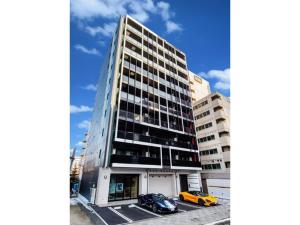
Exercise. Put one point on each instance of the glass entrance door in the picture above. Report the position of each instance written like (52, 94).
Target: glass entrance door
(123, 186)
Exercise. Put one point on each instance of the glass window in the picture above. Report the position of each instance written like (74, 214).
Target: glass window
(123, 186)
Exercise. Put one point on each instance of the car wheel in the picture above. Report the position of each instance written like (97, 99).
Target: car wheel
(181, 197)
(154, 208)
(140, 202)
(201, 202)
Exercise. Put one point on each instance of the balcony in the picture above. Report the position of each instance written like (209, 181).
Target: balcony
(128, 159)
(129, 116)
(150, 104)
(184, 163)
(223, 126)
(189, 130)
(150, 120)
(135, 42)
(133, 53)
(187, 116)
(155, 140)
(225, 140)
(220, 113)
(134, 30)
(130, 98)
(164, 123)
(166, 162)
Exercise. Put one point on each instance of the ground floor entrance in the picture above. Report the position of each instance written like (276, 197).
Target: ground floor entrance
(183, 182)
(123, 187)
(161, 183)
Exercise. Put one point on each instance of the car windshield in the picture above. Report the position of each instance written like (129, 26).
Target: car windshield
(159, 197)
(198, 193)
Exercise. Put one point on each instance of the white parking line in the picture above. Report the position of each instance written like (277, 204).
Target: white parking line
(147, 211)
(181, 203)
(92, 210)
(119, 214)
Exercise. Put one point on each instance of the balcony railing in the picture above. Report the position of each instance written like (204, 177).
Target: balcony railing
(185, 163)
(129, 115)
(128, 159)
(150, 120)
(166, 162)
(189, 130)
(155, 140)
(164, 123)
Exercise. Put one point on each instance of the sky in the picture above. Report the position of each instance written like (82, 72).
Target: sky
(200, 28)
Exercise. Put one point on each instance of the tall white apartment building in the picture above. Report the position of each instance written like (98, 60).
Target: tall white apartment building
(212, 122)
(199, 87)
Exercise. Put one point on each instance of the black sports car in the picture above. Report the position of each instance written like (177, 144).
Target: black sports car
(158, 203)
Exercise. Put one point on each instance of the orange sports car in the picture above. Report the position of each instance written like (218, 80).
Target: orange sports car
(198, 197)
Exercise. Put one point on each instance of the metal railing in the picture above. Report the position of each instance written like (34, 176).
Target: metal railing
(185, 163)
(155, 140)
(129, 159)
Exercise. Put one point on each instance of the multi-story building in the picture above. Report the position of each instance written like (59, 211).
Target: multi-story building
(142, 138)
(212, 119)
(199, 87)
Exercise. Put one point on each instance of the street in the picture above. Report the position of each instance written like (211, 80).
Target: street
(188, 213)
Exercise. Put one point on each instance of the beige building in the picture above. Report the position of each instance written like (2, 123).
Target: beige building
(199, 87)
(212, 119)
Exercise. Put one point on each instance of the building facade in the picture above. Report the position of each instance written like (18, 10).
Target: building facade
(212, 122)
(142, 136)
(199, 87)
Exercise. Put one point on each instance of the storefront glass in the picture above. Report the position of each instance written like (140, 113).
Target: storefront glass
(123, 186)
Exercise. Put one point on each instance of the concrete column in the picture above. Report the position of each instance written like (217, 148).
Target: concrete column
(103, 186)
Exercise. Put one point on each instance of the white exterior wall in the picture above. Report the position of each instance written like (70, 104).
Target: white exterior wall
(221, 157)
(219, 188)
(199, 87)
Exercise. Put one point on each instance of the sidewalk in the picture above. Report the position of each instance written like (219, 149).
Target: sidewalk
(78, 216)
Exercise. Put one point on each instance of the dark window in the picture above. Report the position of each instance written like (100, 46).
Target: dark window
(123, 186)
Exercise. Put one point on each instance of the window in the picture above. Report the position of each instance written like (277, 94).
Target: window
(204, 126)
(209, 152)
(200, 105)
(123, 186)
(207, 138)
(102, 132)
(211, 166)
(202, 115)
(227, 164)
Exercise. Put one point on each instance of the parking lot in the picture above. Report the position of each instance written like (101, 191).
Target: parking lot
(129, 213)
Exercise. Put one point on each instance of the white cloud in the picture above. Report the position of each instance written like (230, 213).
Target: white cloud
(79, 144)
(82, 108)
(90, 87)
(88, 9)
(85, 124)
(92, 51)
(222, 77)
(112, 9)
(138, 11)
(172, 27)
(107, 30)
(164, 9)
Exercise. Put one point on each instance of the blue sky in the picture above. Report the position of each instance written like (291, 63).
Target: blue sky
(200, 28)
